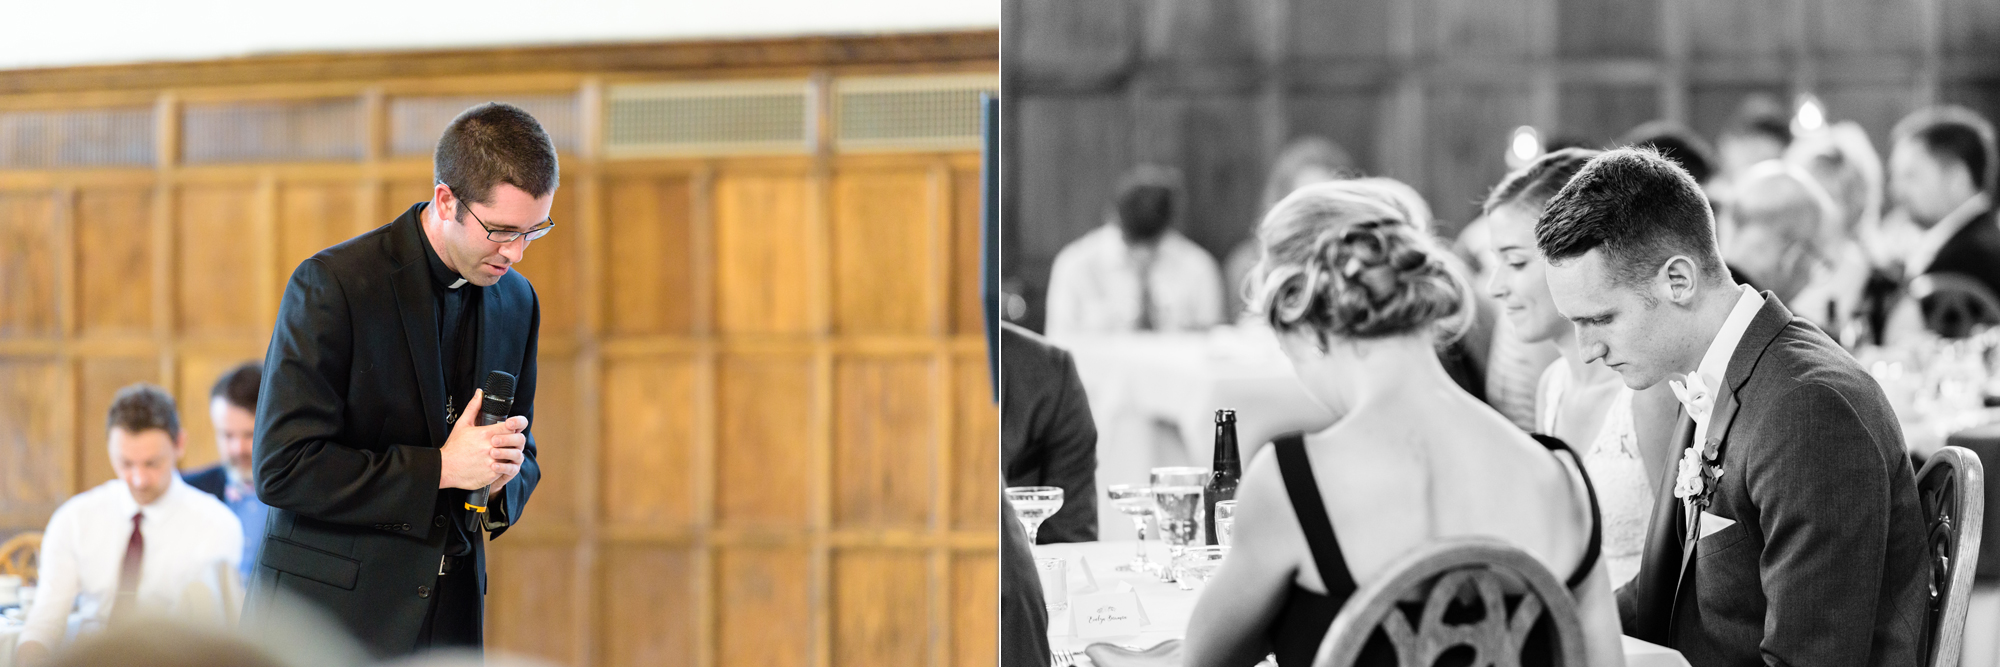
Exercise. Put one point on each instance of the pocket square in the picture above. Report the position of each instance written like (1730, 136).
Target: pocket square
(1711, 523)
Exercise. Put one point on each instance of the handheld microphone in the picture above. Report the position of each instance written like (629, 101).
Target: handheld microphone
(494, 404)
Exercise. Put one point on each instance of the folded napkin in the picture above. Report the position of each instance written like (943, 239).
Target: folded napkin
(1163, 654)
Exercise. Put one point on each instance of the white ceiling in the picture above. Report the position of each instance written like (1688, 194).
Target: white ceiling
(57, 33)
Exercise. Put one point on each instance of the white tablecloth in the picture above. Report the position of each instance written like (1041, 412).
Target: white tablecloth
(1154, 396)
(1168, 608)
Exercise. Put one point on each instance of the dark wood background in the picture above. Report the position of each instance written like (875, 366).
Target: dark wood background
(1425, 91)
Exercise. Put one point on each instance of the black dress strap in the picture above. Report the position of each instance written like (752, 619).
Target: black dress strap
(1313, 520)
(1596, 548)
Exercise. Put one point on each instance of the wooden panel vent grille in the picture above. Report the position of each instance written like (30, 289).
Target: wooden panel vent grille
(707, 118)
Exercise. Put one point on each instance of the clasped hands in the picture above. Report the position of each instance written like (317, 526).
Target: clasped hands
(482, 456)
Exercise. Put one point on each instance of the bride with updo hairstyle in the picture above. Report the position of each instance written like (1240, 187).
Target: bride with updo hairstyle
(1360, 300)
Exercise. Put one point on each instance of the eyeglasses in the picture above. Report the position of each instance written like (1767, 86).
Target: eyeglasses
(504, 236)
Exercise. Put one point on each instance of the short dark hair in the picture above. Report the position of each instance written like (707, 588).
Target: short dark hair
(490, 144)
(1638, 206)
(1678, 143)
(1534, 183)
(1148, 202)
(141, 407)
(239, 385)
(1954, 133)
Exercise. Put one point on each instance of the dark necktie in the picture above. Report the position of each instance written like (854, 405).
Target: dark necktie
(1146, 322)
(128, 575)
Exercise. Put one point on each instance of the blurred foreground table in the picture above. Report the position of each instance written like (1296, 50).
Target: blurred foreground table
(1168, 608)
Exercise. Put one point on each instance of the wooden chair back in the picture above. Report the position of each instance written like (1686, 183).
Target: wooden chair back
(20, 555)
(1515, 592)
(1952, 486)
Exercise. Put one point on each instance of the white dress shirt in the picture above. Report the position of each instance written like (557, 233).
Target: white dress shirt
(1094, 285)
(1716, 361)
(188, 535)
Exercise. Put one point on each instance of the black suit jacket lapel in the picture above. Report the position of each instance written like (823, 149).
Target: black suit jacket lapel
(501, 339)
(1657, 582)
(418, 308)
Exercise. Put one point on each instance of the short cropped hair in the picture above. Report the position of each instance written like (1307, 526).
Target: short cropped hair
(141, 407)
(1148, 202)
(1638, 207)
(1678, 143)
(490, 144)
(239, 385)
(1536, 182)
(1954, 133)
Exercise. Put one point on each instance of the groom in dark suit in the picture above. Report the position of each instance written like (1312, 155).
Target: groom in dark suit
(366, 444)
(1789, 531)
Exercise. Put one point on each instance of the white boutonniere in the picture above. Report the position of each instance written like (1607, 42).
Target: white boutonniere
(1699, 472)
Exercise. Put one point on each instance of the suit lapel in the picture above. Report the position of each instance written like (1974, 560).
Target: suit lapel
(419, 311)
(500, 343)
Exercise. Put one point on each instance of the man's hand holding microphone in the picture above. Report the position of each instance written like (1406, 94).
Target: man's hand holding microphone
(482, 457)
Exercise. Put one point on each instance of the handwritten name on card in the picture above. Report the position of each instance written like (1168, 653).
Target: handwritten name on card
(1110, 614)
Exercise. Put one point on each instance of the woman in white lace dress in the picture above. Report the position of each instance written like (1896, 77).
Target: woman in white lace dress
(1586, 405)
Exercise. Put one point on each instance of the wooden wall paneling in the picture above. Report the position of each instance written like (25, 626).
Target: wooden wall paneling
(558, 429)
(1968, 27)
(1071, 152)
(1469, 126)
(1205, 38)
(100, 378)
(975, 472)
(647, 478)
(1847, 27)
(401, 194)
(1739, 30)
(114, 262)
(1221, 158)
(966, 304)
(1478, 30)
(1711, 106)
(1358, 30)
(29, 239)
(36, 456)
(530, 609)
(550, 264)
(766, 406)
(1876, 106)
(313, 217)
(1600, 113)
(1348, 116)
(652, 254)
(1069, 44)
(884, 441)
(648, 594)
(883, 233)
(764, 606)
(763, 263)
(975, 603)
(1608, 28)
(218, 273)
(881, 607)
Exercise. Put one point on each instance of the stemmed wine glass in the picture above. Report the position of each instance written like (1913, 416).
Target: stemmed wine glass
(1035, 504)
(1136, 501)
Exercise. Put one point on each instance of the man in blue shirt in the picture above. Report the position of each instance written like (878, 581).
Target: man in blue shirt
(232, 408)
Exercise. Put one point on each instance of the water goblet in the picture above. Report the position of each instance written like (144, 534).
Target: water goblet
(1135, 501)
(1034, 504)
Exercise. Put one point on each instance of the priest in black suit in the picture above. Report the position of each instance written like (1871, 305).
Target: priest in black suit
(366, 444)
(1789, 531)
(1942, 174)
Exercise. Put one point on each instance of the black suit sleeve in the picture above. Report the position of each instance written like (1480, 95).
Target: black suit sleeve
(514, 497)
(301, 465)
(1068, 443)
(1821, 487)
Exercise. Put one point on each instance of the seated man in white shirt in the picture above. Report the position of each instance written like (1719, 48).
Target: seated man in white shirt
(133, 544)
(1135, 273)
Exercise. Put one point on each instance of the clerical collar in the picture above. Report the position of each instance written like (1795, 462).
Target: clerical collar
(443, 275)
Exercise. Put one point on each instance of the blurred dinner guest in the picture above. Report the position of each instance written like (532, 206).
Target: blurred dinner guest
(132, 545)
(367, 448)
(232, 409)
(1306, 160)
(1136, 273)
(1844, 163)
(1360, 299)
(1781, 229)
(1760, 130)
(1789, 533)
(1047, 437)
(1024, 616)
(1941, 174)
(1583, 403)
(1679, 144)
